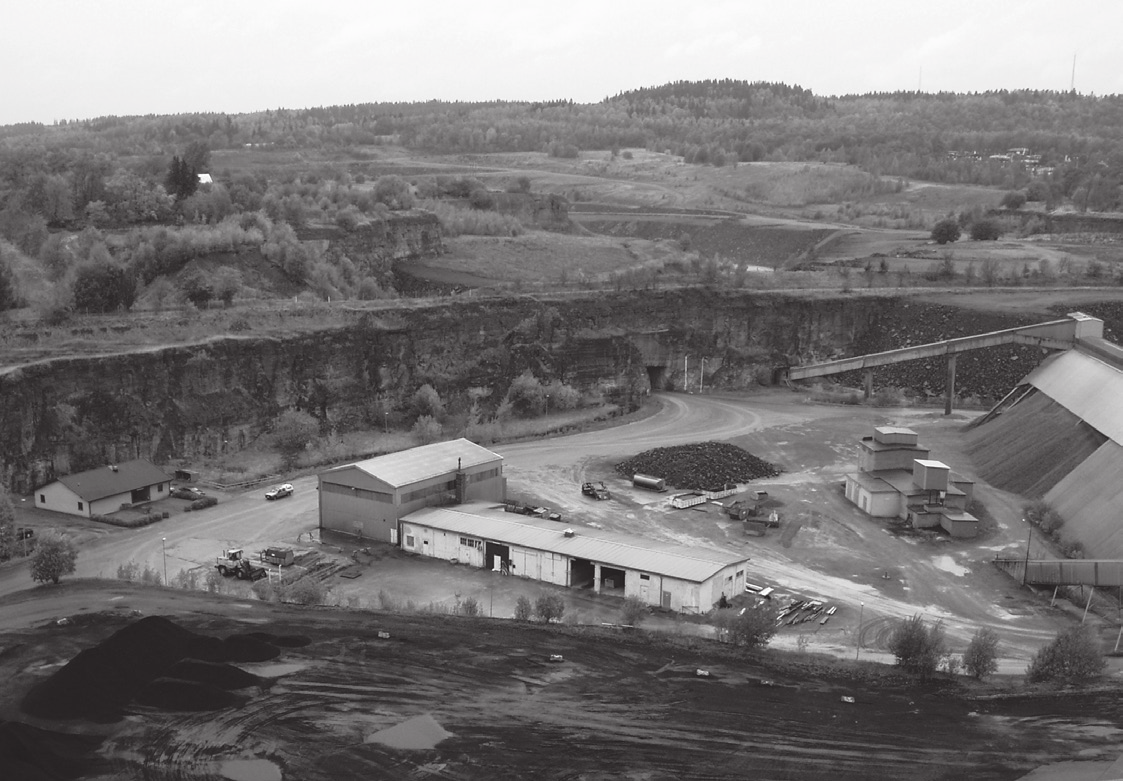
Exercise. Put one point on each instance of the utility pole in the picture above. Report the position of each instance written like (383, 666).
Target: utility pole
(1025, 565)
(1072, 84)
(858, 640)
(702, 375)
(164, 550)
(685, 373)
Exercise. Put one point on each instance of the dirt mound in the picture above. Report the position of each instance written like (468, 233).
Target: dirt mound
(98, 682)
(703, 466)
(31, 754)
(225, 676)
(176, 694)
(1030, 447)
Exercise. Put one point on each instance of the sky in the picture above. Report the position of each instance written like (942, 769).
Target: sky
(76, 59)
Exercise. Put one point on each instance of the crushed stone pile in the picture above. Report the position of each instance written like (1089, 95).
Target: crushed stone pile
(98, 682)
(702, 466)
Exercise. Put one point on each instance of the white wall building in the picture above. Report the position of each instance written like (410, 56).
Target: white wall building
(661, 574)
(105, 490)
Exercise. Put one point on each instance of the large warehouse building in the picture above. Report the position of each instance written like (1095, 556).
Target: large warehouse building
(673, 577)
(369, 498)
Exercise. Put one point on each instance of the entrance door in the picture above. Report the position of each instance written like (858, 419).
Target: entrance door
(667, 600)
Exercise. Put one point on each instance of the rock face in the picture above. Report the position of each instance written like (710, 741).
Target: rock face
(376, 246)
(69, 414)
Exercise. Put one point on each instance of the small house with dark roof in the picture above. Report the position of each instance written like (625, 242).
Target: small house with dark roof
(369, 498)
(105, 490)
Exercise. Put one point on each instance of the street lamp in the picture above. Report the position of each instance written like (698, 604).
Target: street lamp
(164, 550)
(547, 403)
(858, 642)
(702, 375)
(385, 422)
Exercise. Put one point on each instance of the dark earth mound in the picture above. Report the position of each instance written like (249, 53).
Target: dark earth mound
(224, 676)
(176, 694)
(703, 466)
(31, 754)
(98, 682)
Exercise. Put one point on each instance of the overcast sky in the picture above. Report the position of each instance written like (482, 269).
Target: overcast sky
(73, 59)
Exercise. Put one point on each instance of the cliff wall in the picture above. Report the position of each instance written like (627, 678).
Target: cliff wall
(69, 414)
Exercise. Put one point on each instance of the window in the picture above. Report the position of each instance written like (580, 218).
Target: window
(468, 542)
(42, 498)
(645, 577)
(80, 507)
(409, 541)
(160, 488)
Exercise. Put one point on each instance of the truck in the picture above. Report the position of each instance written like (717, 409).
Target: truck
(279, 557)
(595, 490)
(649, 482)
(233, 562)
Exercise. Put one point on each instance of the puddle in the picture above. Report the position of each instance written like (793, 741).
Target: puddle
(249, 770)
(420, 732)
(274, 670)
(948, 564)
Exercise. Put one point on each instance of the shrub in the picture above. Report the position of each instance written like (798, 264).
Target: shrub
(54, 557)
(945, 231)
(549, 607)
(523, 609)
(202, 503)
(128, 571)
(470, 607)
(1073, 656)
(426, 401)
(527, 396)
(306, 592)
(1015, 199)
(291, 434)
(985, 230)
(751, 629)
(917, 646)
(426, 430)
(634, 611)
(263, 589)
(981, 657)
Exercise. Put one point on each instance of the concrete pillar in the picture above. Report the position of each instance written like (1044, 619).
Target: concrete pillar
(868, 383)
(596, 577)
(950, 389)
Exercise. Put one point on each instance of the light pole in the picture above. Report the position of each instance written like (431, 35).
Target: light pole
(164, 550)
(858, 642)
(385, 422)
(702, 375)
(547, 404)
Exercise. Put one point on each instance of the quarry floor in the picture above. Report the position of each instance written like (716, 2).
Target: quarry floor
(621, 705)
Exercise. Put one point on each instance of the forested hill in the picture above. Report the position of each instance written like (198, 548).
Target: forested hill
(1074, 139)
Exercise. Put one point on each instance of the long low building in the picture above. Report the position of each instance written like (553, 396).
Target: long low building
(105, 490)
(664, 575)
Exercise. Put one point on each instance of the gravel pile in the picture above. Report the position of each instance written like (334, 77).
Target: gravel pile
(703, 466)
(99, 682)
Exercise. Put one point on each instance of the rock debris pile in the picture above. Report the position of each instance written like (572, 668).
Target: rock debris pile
(702, 466)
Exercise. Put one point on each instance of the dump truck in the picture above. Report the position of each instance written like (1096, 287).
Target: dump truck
(234, 562)
(595, 490)
(649, 482)
(278, 557)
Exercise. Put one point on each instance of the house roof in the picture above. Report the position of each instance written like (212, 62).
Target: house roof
(421, 463)
(607, 548)
(111, 480)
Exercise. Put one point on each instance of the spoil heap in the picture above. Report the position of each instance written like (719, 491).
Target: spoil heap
(702, 466)
(145, 661)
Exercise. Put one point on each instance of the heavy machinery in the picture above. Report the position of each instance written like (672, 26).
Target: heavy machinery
(233, 562)
(595, 490)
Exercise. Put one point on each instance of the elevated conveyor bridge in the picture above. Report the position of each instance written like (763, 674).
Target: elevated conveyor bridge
(1062, 334)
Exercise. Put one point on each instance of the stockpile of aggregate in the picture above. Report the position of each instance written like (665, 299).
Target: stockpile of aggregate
(1031, 447)
(29, 753)
(702, 466)
(98, 682)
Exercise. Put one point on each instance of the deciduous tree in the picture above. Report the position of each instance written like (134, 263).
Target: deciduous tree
(981, 657)
(917, 646)
(291, 434)
(1073, 656)
(54, 557)
(945, 231)
(751, 629)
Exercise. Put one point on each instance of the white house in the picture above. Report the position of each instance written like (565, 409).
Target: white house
(105, 490)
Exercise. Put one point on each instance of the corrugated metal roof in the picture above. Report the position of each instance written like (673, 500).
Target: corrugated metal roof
(873, 484)
(610, 548)
(421, 463)
(1085, 386)
(105, 481)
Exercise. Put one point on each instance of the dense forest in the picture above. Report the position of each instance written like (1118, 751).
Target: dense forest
(110, 173)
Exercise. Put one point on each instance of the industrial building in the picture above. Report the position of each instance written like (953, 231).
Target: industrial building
(105, 490)
(673, 577)
(896, 479)
(370, 498)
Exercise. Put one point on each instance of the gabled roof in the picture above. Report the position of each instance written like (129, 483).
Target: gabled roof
(104, 481)
(421, 463)
(607, 548)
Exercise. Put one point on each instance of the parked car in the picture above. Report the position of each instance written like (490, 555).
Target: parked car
(279, 491)
(186, 492)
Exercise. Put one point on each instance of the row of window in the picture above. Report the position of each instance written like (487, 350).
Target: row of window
(422, 493)
(358, 493)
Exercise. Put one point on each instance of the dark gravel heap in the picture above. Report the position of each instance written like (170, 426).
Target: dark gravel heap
(703, 466)
(99, 682)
